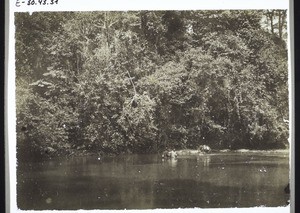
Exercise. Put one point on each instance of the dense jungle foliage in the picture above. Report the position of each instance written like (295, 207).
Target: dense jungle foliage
(138, 82)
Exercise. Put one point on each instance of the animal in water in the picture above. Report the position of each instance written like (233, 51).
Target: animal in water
(169, 154)
(204, 148)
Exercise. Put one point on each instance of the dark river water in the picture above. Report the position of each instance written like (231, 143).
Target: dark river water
(147, 182)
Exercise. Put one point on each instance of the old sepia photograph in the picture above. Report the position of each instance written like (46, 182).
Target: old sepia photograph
(152, 109)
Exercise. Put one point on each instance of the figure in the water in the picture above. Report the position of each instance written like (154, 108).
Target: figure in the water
(204, 148)
(169, 154)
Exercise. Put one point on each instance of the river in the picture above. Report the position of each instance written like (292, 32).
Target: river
(217, 180)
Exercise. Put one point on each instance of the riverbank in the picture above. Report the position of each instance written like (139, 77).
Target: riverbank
(66, 153)
(195, 151)
(181, 152)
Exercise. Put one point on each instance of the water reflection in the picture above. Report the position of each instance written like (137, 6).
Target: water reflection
(170, 161)
(205, 159)
(147, 182)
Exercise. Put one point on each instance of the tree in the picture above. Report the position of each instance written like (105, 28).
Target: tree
(276, 22)
(142, 81)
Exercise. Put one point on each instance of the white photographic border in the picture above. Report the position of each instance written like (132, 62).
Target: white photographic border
(13, 6)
